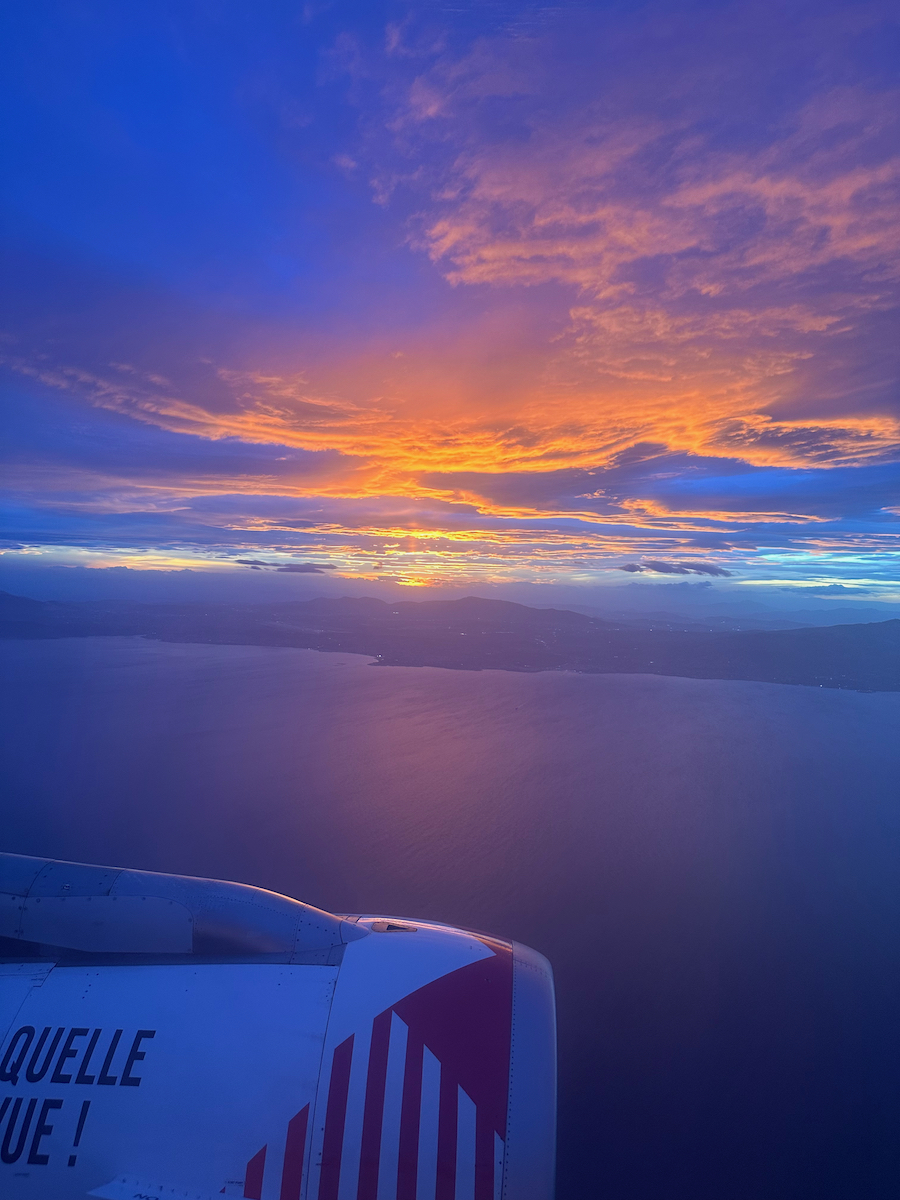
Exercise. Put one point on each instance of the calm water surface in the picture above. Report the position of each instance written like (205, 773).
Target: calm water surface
(712, 867)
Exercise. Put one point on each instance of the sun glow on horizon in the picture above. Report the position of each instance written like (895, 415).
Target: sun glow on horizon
(535, 310)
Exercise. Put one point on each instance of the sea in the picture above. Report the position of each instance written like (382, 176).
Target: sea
(712, 867)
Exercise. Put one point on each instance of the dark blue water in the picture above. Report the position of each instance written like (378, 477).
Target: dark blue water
(712, 867)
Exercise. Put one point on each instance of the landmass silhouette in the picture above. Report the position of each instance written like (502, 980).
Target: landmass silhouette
(474, 634)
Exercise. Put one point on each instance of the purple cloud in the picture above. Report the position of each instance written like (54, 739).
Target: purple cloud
(304, 568)
(674, 568)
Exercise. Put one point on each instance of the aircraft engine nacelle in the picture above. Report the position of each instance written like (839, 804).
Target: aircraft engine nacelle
(163, 1036)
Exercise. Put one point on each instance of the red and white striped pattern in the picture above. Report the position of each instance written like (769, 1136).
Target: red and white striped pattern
(414, 1105)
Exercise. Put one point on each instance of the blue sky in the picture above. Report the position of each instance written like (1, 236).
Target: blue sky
(480, 296)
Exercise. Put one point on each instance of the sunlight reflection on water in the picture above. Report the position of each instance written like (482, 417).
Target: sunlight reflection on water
(711, 867)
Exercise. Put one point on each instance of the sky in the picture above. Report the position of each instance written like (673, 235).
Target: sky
(479, 296)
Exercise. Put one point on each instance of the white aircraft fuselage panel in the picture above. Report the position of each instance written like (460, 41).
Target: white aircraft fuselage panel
(419, 1065)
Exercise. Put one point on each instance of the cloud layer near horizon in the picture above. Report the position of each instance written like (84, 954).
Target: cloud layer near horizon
(520, 297)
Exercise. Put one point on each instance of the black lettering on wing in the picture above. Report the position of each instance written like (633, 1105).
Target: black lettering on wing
(8, 1152)
(34, 1073)
(67, 1052)
(135, 1054)
(104, 1079)
(11, 1064)
(82, 1076)
(42, 1130)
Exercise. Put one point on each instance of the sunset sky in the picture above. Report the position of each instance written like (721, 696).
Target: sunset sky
(466, 295)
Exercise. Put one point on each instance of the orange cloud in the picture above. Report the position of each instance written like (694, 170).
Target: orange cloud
(707, 358)
(636, 278)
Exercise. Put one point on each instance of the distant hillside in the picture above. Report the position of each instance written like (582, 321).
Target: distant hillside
(475, 634)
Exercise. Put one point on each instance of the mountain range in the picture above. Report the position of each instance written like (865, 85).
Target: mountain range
(477, 634)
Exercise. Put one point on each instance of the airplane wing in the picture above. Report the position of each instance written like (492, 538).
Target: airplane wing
(230, 1041)
(127, 1188)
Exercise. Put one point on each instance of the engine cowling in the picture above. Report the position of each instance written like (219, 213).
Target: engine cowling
(243, 1043)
